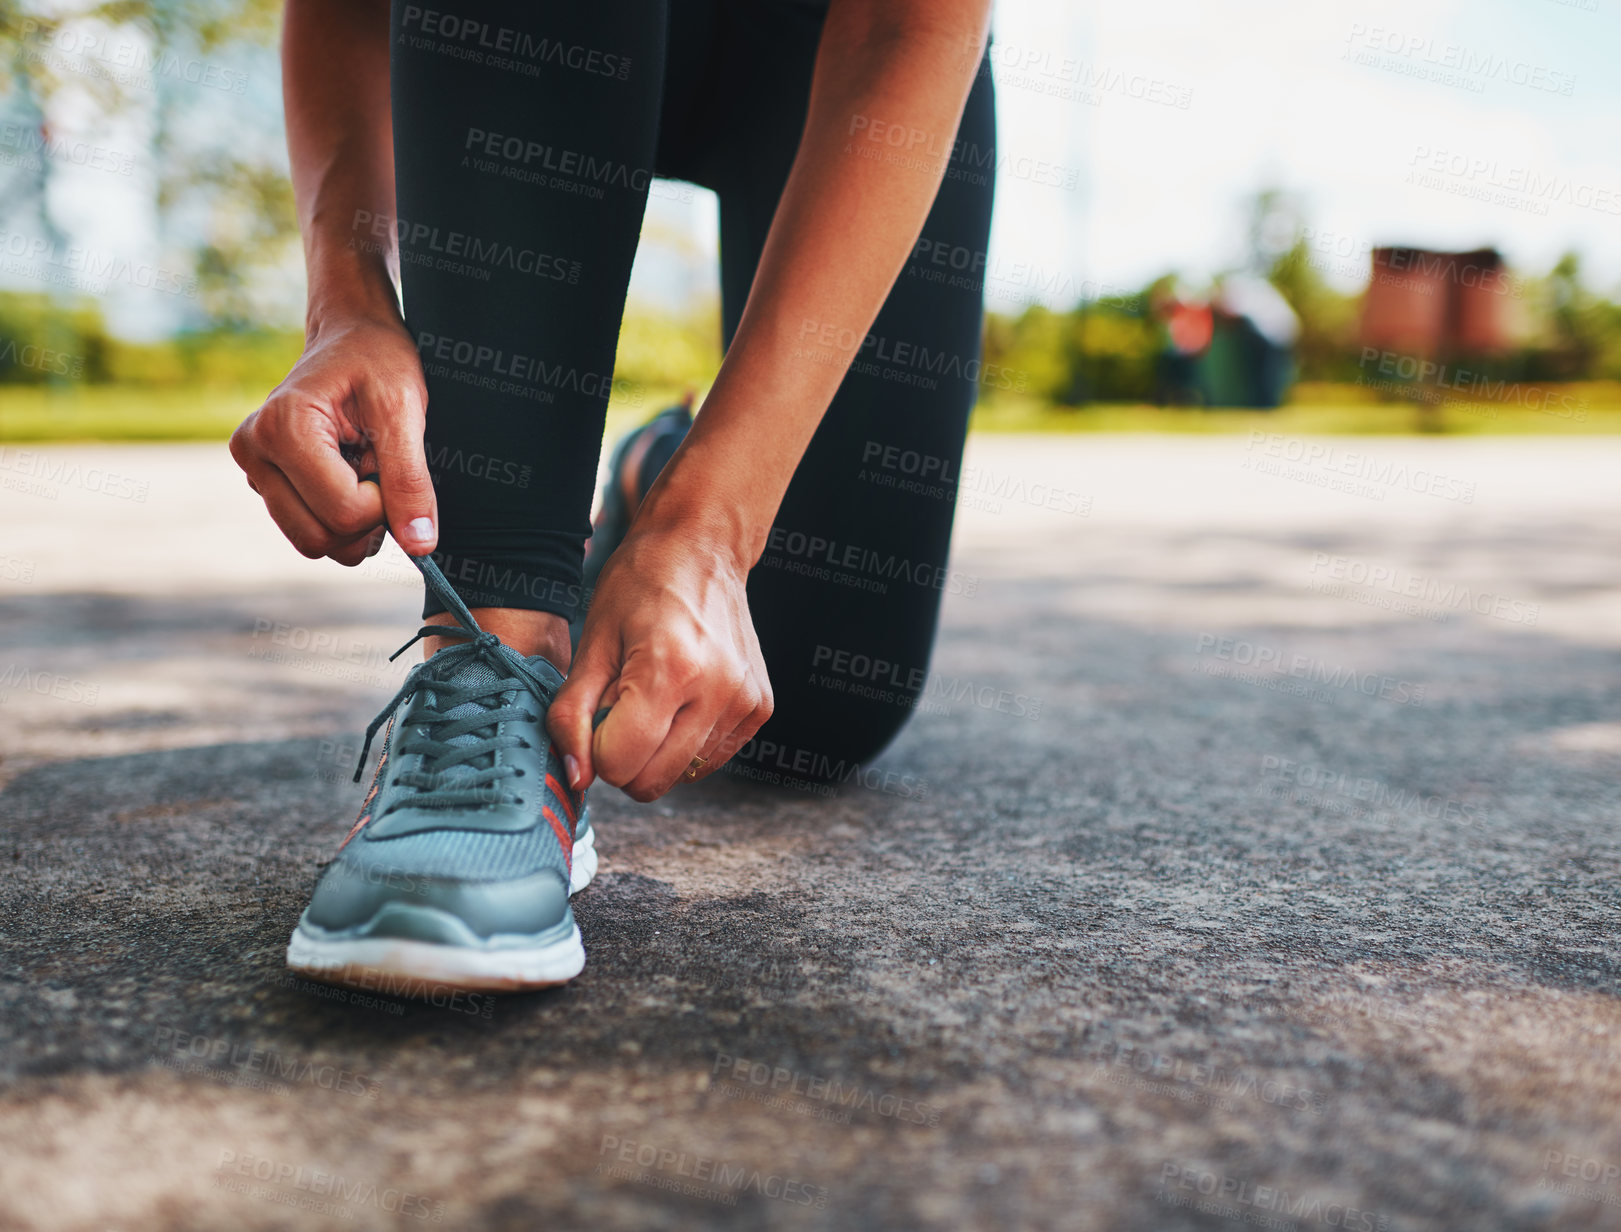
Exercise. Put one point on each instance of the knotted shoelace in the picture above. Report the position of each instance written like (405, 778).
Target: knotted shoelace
(466, 744)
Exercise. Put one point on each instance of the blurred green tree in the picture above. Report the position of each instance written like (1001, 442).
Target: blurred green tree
(181, 69)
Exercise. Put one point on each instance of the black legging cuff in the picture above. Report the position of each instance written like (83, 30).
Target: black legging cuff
(540, 573)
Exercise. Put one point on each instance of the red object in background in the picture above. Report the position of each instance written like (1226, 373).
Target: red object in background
(1437, 304)
(1190, 327)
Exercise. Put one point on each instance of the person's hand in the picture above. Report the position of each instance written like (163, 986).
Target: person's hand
(670, 646)
(354, 404)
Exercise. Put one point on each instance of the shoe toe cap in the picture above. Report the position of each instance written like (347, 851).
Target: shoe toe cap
(376, 899)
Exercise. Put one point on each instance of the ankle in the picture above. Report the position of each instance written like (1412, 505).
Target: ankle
(528, 632)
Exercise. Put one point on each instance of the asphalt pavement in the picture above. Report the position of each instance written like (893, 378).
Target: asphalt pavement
(1254, 860)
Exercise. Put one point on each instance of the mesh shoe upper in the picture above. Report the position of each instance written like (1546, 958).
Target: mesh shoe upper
(468, 794)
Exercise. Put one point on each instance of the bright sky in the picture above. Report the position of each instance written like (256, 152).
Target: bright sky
(1275, 96)
(1443, 123)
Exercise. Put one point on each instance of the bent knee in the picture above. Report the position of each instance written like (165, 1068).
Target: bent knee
(829, 744)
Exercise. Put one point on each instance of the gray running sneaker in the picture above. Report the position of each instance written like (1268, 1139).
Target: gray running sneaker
(457, 873)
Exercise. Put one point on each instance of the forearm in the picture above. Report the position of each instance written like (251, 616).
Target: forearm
(340, 142)
(841, 235)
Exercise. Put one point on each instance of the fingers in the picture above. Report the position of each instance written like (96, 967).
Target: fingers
(635, 730)
(303, 529)
(569, 717)
(413, 513)
(295, 452)
(302, 444)
(363, 548)
(649, 695)
(287, 509)
(713, 722)
(670, 659)
(735, 728)
(669, 761)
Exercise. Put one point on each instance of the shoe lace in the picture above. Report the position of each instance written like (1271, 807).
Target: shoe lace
(466, 744)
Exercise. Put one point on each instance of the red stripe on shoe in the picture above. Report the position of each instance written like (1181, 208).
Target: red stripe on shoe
(376, 785)
(563, 797)
(354, 830)
(377, 775)
(564, 834)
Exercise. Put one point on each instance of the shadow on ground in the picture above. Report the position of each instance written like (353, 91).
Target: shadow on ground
(1109, 959)
(1268, 905)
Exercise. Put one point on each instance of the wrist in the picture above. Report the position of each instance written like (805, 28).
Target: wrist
(348, 285)
(703, 506)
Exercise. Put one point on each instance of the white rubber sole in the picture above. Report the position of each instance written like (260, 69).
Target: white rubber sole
(583, 862)
(398, 967)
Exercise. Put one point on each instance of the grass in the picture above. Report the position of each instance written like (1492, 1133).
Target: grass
(122, 413)
(1332, 410)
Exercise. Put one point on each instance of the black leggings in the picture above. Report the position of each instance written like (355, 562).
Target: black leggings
(525, 137)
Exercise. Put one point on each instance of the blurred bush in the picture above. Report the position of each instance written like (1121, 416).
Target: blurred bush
(1105, 351)
(214, 164)
(48, 342)
(67, 344)
(659, 349)
(1097, 352)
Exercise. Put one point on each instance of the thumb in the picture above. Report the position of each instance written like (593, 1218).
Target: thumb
(399, 418)
(571, 718)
